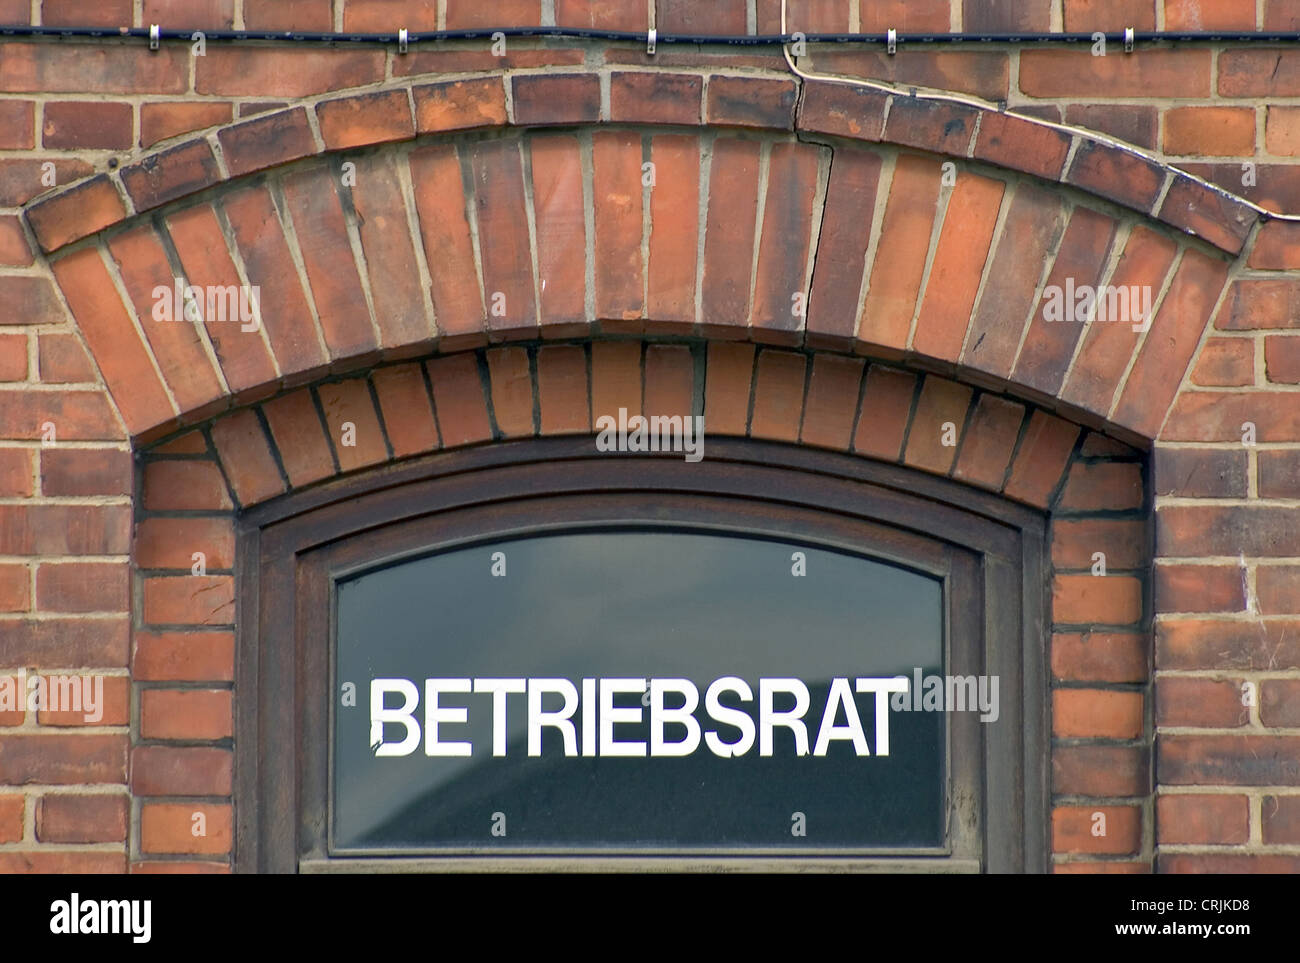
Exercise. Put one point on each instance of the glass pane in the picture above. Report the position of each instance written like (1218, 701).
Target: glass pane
(637, 605)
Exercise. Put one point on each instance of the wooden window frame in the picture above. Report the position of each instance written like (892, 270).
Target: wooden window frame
(989, 552)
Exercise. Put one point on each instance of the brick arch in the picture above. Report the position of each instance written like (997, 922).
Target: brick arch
(755, 235)
(195, 486)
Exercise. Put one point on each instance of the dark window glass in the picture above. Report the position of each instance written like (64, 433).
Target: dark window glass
(625, 606)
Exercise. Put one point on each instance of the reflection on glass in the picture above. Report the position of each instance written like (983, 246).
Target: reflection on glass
(637, 604)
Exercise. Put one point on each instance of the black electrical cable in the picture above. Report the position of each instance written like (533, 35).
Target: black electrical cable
(572, 33)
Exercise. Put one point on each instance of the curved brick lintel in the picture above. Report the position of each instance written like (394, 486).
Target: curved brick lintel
(857, 249)
(407, 110)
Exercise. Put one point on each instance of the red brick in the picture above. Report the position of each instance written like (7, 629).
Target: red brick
(940, 414)
(459, 104)
(1077, 829)
(177, 346)
(831, 406)
(1083, 16)
(194, 714)
(1227, 644)
(170, 174)
(184, 656)
(1210, 131)
(729, 233)
(560, 218)
(184, 485)
(1278, 705)
(1033, 224)
(778, 395)
(936, 126)
(318, 222)
(112, 337)
(63, 758)
(174, 867)
(885, 412)
(1278, 588)
(113, 706)
(1281, 819)
(189, 600)
(15, 472)
(839, 264)
(365, 119)
(784, 243)
(1075, 540)
(601, 15)
(1228, 760)
(1096, 714)
(503, 238)
(1199, 588)
(615, 380)
(467, 14)
(842, 110)
(76, 213)
(66, 818)
(76, 415)
(180, 771)
(15, 588)
(1207, 703)
(296, 428)
(984, 73)
(200, 14)
(70, 67)
(562, 389)
(11, 818)
(1225, 362)
(1157, 73)
(1041, 459)
(1282, 359)
(14, 249)
(1277, 247)
(376, 16)
(60, 642)
(17, 124)
(727, 388)
(62, 861)
(82, 587)
(1208, 15)
(246, 71)
(674, 227)
(200, 243)
(246, 456)
(1107, 348)
(617, 194)
(901, 253)
(1092, 770)
(408, 416)
(94, 125)
(348, 403)
(298, 15)
(722, 17)
(388, 250)
(25, 178)
(170, 543)
(1096, 599)
(1219, 415)
(458, 400)
(1010, 141)
(1099, 657)
(1103, 486)
(556, 98)
(988, 443)
(809, 16)
(1136, 124)
(172, 828)
(750, 102)
(261, 241)
(267, 140)
(512, 390)
(13, 357)
(655, 98)
(1218, 819)
(30, 300)
(1049, 345)
(440, 200)
(669, 380)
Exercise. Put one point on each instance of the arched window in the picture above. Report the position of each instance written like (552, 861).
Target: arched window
(534, 651)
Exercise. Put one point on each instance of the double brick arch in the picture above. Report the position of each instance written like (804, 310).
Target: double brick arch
(482, 259)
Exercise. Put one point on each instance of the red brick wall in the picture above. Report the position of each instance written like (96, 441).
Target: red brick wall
(522, 176)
